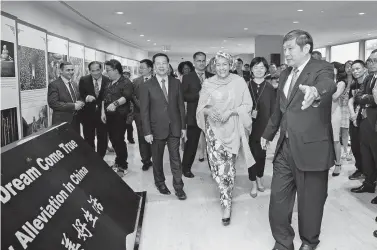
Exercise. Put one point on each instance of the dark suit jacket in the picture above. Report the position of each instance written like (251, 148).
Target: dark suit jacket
(191, 87)
(60, 101)
(310, 130)
(86, 87)
(160, 117)
(265, 106)
(368, 101)
(136, 96)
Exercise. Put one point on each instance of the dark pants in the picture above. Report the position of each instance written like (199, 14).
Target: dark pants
(144, 147)
(191, 146)
(257, 170)
(368, 148)
(311, 188)
(355, 146)
(75, 123)
(116, 126)
(92, 127)
(130, 132)
(158, 148)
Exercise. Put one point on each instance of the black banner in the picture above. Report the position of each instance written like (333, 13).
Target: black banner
(57, 193)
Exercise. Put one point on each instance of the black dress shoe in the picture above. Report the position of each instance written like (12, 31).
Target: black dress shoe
(226, 221)
(374, 201)
(375, 233)
(357, 175)
(132, 141)
(164, 190)
(181, 194)
(188, 174)
(201, 159)
(307, 247)
(145, 167)
(364, 189)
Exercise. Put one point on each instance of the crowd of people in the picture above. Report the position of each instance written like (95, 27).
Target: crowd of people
(232, 112)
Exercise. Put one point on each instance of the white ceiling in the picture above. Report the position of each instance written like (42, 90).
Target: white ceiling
(207, 26)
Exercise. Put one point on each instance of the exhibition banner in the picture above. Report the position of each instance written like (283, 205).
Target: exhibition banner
(57, 193)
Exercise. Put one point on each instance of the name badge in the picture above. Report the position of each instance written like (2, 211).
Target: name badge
(254, 114)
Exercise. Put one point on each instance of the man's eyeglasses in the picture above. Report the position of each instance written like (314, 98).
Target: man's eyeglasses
(371, 60)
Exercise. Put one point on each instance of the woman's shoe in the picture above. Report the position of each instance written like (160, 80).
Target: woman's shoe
(337, 170)
(260, 186)
(226, 221)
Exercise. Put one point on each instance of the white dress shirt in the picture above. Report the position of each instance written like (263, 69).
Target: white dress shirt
(289, 79)
(66, 82)
(159, 78)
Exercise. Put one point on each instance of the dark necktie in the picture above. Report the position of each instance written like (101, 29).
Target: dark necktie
(201, 77)
(73, 94)
(146, 79)
(96, 87)
(373, 82)
(164, 89)
(293, 82)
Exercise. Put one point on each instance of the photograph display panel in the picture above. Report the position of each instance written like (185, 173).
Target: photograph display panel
(57, 53)
(76, 57)
(9, 126)
(90, 55)
(33, 79)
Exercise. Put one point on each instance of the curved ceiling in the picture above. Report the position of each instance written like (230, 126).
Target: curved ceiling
(210, 26)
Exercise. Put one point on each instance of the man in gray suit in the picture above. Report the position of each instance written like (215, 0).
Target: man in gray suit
(305, 150)
(163, 117)
(64, 99)
(146, 68)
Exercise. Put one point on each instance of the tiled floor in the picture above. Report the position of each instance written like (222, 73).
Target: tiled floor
(195, 224)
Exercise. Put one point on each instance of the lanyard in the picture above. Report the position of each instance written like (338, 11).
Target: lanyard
(252, 92)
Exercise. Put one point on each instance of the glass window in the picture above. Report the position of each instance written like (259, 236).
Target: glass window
(370, 45)
(323, 52)
(344, 52)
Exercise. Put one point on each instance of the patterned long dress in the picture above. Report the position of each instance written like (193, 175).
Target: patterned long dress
(222, 165)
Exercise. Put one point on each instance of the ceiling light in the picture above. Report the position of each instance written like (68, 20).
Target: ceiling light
(141, 35)
(129, 23)
(155, 44)
(222, 47)
(369, 34)
(224, 41)
(300, 10)
(239, 44)
(245, 28)
(361, 13)
(330, 42)
(148, 40)
(322, 11)
(295, 22)
(119, 13)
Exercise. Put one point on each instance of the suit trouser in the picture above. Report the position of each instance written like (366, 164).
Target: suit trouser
(144, 147)
(191, 146)
(158, 148)
(311, 188)
(116, 126)
(355, 146)
(75, 123)
(257, 170)
(130, 132)
(368, 148)
(92, 127)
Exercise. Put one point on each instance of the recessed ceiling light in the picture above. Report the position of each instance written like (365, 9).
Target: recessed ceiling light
(148, 40)
(245, 28)
(300, 10)
(129, 23)
(224, 41)
(239, 44)
(222, 47)
(295, 22)
(361, 13)
(322, 11)
(369, 34)
(141, 35)
(155, 44)
(119, 13)
(330, 42)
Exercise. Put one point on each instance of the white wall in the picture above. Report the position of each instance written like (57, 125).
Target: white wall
(37, 14)
(269, 44)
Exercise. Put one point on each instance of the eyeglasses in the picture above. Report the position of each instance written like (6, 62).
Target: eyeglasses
(371, 60)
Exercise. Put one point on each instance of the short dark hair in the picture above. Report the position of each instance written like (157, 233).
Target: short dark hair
(63, 64)
(373, 51)
(341, 71)
(115, 64)
(246, 65)
(273, 64)
(274, 77)
(95, 62)
(147, 62)
(239, 60)
(317, 52)
(160, 54)
(182, 64)
(302, 38)
(360, 62)
(198, 54)
(258, 60)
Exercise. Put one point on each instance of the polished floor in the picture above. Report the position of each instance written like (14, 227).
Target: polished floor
(195, 224)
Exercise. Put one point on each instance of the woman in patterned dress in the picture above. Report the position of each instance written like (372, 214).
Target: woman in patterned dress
(224, 114)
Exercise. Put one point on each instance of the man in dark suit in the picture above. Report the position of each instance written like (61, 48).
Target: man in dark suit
(368, 128)
(305, 150)
(163, 117)
(146, 68)
(64, 99)
(91, 91)
(191, 86)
